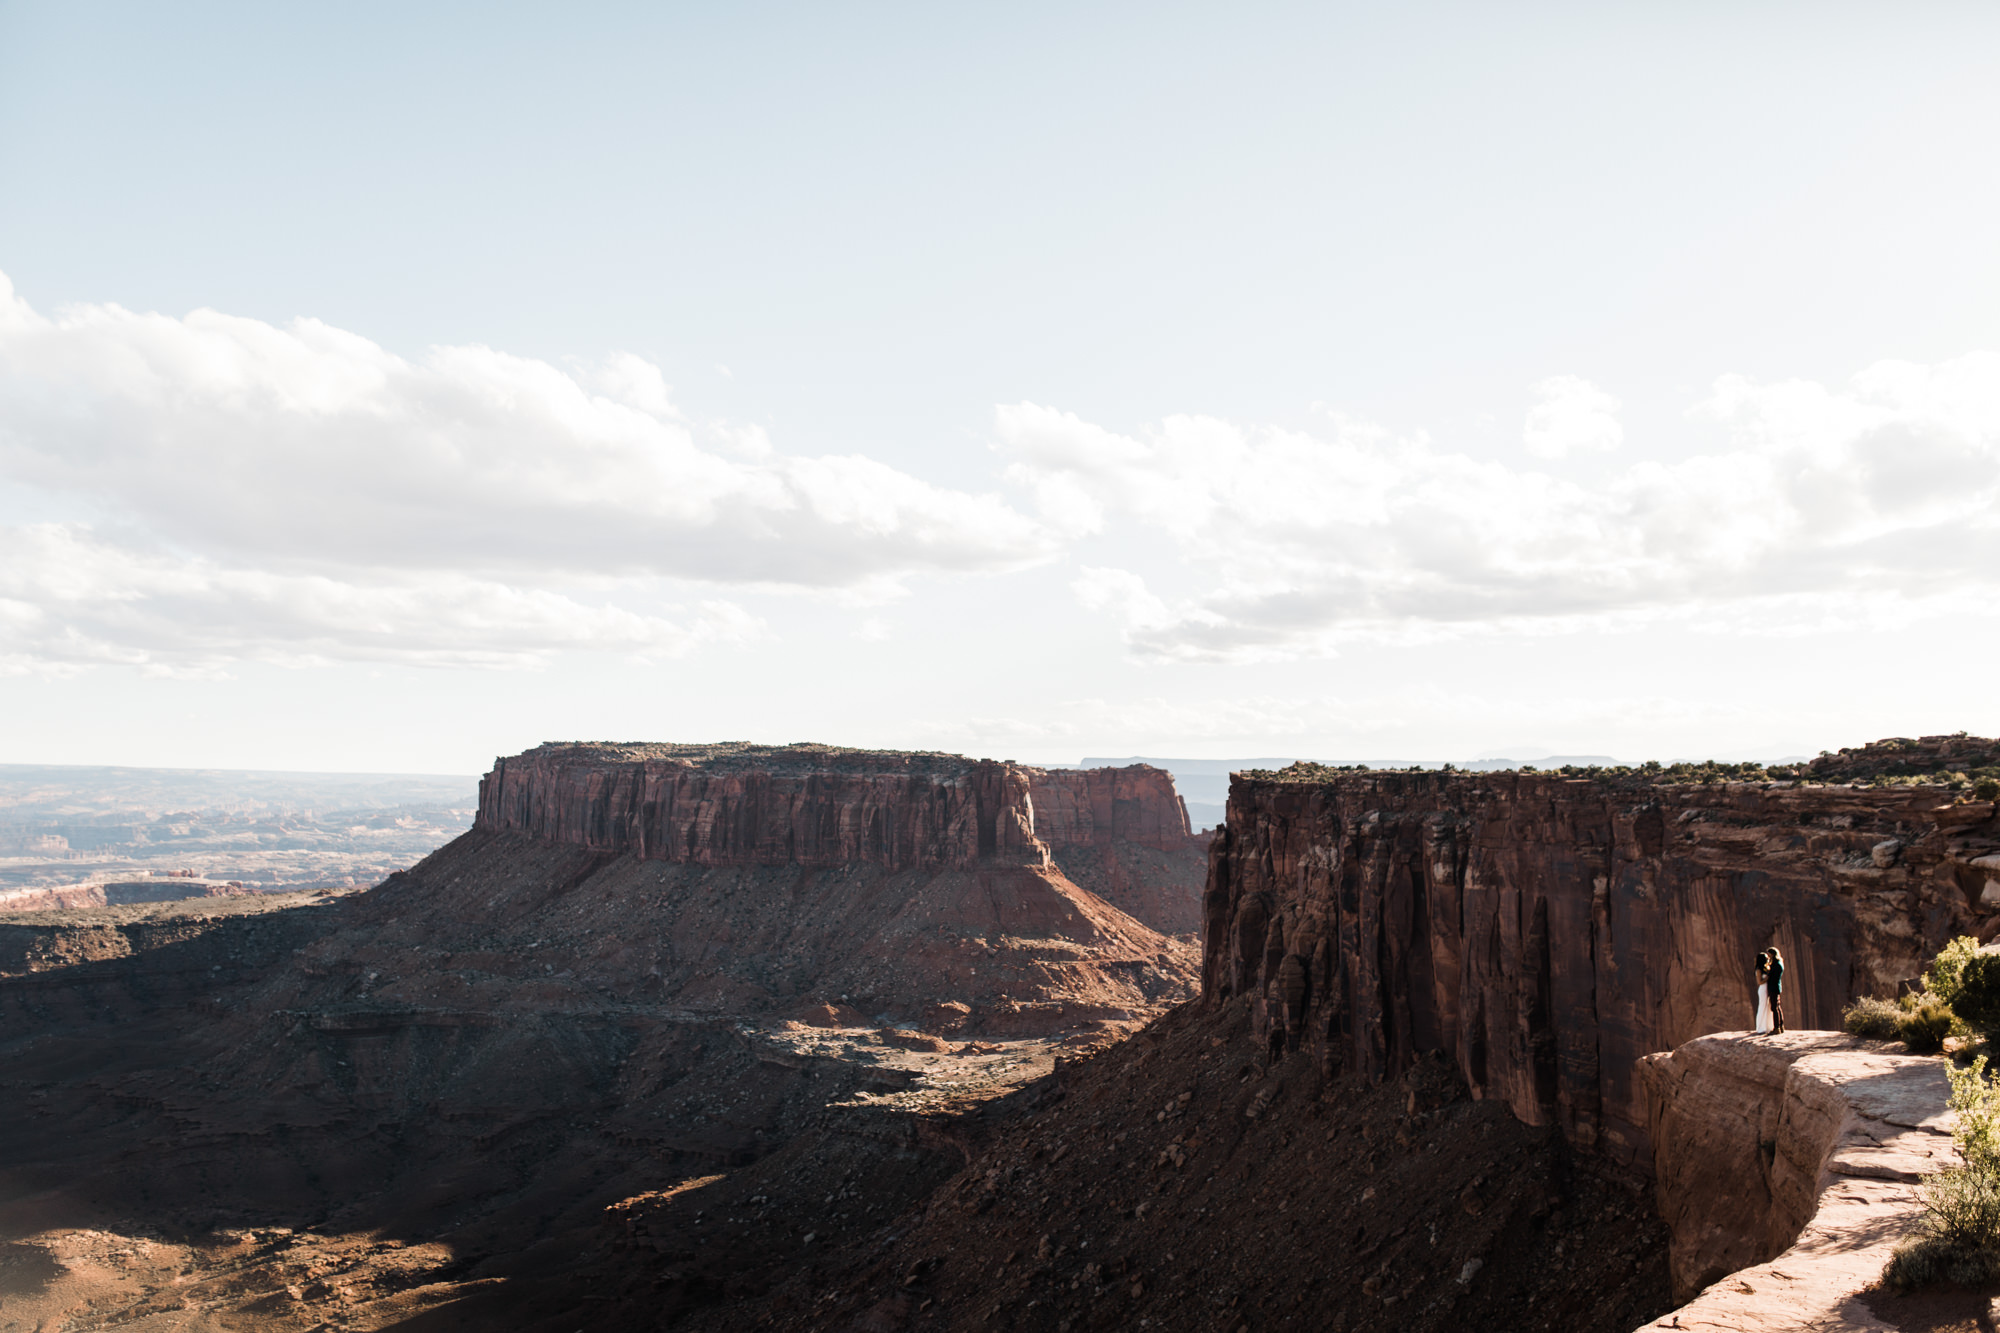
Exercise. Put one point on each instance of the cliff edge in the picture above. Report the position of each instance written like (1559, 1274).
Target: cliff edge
(1547, 932)
(1785, 1172)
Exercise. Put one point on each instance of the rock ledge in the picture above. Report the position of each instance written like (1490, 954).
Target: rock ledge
(1785, 1169)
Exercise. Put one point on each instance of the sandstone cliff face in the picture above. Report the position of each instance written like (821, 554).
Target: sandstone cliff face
(1121, 833)
(1099, 806)
(1547, 932)
(758, 877)
(741, 805)
(1786, 1168)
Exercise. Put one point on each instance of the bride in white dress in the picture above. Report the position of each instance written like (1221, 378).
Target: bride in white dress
(1763, 997)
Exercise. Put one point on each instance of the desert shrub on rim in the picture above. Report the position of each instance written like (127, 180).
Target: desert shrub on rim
(1959, 1239)
(1924, 1023)
(1921, 1022)
(1946, 972)
(1870, 1017)
(1978, 998)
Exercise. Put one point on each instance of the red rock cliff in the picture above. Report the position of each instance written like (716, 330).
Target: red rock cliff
(1547, 932)
(1123, 834)
(746, 805)
(1098, 806)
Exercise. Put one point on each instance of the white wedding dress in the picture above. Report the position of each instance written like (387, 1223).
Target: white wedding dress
(1763, 1008)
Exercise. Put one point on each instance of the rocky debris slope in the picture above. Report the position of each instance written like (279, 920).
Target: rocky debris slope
(1547, 932)
(1178, 1181)
(1785, 1172)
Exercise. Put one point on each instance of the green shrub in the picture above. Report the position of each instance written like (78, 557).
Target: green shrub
(1925, 1024)
(1921, 1022)
(1870, 1017)
(1942, 979)
(1924, 1261)
(1978, 997)
(1987, 789)
(1960, 1239)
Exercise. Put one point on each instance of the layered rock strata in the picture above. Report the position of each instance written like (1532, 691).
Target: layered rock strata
(1786, 1168)
(742, 805)
(1122, 832)
(1547, 932)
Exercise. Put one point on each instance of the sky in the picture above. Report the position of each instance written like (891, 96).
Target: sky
(389, 387)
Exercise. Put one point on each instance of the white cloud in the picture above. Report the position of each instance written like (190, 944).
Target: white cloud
(309, 444)
(69, 600)
(300, 493)
(1571, 416)
(1827, 503)
(1122, 595)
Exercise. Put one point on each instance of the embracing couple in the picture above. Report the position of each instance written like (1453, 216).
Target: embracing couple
(1770, 991)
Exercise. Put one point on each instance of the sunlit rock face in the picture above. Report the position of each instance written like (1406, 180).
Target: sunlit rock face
(1546, 932)
(1790, 1162)
(745, 805)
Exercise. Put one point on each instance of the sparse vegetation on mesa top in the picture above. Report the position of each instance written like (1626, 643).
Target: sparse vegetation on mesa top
(1947, 762)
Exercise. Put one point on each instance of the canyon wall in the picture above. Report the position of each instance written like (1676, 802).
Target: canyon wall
(743, 805)
(1099, 806)
(1121, 833)
(1546, 932)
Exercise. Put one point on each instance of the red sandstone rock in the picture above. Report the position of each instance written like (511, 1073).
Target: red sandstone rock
(744, 805)
(1099, 806)
(1785, 1173)
(1121, 833)
(1547, 932)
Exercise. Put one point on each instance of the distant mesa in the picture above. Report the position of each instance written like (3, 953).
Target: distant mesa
(1034, 898)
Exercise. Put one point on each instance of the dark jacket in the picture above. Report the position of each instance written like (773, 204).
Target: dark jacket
(1774, 980)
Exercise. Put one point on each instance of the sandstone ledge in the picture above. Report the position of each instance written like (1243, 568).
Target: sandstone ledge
(1785, 1169)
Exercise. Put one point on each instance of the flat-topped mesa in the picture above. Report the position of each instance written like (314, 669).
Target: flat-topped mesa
(757, 805)
(1547, 932)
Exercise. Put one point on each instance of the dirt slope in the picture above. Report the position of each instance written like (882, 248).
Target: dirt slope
(1176, 1181)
